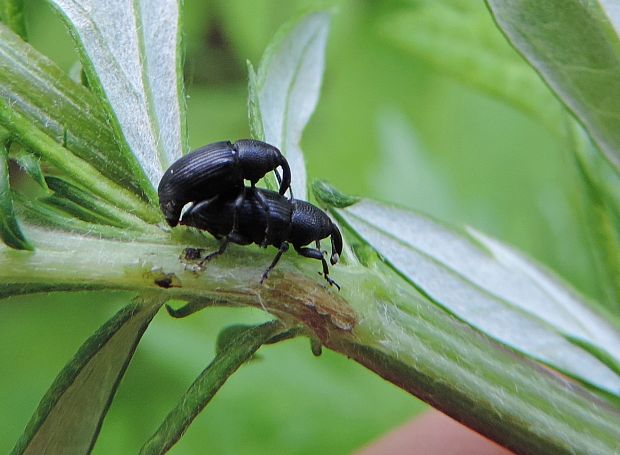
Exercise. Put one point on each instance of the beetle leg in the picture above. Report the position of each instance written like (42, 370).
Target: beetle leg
(318, 247)
(263, 203)
(238, 204)
(279, 179)
(223, 245)
(283, 249)
(316, 254)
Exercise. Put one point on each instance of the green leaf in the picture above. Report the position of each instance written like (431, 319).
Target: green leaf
(104, 212)
(227, 337)
(287, 89)
(72, 166)
(492, 287)
(10, 231)
(70, 414)
(238, 351)
(30, 164)
(331, 196)
(462, 41)
(12, 14)
(40, 92)
(63, 214)
(600, 213)
(254, 115)
(131, 54)
(575, 47)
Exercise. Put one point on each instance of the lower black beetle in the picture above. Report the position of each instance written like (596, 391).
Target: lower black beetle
(290, 221)
(219, 169)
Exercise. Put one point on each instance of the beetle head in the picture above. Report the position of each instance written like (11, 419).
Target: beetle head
(171, 210)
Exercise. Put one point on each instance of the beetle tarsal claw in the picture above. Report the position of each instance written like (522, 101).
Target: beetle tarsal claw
(194, 268)
(191, 254)
(332, 282)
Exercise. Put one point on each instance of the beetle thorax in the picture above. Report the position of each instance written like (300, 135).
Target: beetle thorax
(256, 159)
(308, 223)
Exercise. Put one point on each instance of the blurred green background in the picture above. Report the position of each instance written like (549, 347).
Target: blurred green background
(388, 126)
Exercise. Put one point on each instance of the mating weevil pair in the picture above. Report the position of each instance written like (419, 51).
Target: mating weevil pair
(212, 180)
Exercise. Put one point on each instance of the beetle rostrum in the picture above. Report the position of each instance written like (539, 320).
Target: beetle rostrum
(289, 221)
(219, 169)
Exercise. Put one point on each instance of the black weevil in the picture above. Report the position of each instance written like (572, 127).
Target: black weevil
(290, 221)
(219, 169)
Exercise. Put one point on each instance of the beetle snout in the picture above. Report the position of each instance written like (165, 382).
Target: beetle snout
(171, 212)
(336, 244)
(285, 184)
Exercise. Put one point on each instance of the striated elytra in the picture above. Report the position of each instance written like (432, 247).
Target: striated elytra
(219, 169)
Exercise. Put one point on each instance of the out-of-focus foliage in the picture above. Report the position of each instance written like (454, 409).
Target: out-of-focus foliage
(498, 171)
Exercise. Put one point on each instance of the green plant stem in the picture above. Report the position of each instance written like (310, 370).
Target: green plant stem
(73, 166)
(204, 388)
(375, 320)
(499, 394)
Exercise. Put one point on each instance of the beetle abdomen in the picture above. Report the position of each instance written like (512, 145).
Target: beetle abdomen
(214, 216)
(253, 219)
(199, 175)
(199, 172)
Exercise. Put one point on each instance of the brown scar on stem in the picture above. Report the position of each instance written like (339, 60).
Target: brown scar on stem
(166, 280)
(293, 298)
(325, 312)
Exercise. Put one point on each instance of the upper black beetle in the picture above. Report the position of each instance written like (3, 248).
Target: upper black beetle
(219, 169)
(290, 221)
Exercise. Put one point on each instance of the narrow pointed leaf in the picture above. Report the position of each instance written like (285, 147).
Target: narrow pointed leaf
(10, 231)
(70, 415)
(66, 111)
(575, 46)
(64, 214)
(72, 166)
(287, 87)
(492, 287)
(600, 213)
(238, 351)
(108, 213)
(463, 42)
(254, 115)
(31, 165)
(131, 54)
